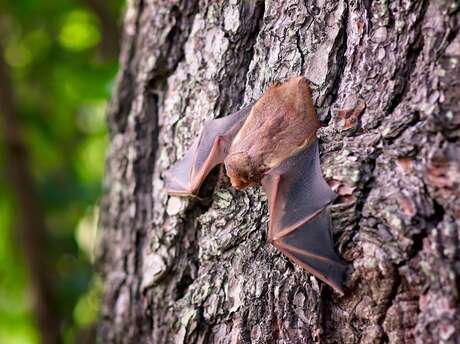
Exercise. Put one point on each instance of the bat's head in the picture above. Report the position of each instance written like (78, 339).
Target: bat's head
(242, 170)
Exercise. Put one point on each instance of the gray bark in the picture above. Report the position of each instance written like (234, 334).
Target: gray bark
(385, 77)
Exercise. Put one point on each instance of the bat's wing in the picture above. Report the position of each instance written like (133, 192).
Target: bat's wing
(185, 177)
(300, 222)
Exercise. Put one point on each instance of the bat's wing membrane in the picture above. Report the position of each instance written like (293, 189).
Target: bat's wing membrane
(299, 220)
(311, 246)
(185, 177)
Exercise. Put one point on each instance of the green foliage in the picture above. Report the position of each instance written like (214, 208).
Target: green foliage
(62, 83)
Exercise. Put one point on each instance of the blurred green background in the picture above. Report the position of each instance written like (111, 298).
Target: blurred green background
(61, 58)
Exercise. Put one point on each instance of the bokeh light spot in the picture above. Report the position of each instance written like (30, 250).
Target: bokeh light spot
(17, 54)
(79, 31)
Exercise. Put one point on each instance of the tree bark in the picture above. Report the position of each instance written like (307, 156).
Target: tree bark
(385, 77)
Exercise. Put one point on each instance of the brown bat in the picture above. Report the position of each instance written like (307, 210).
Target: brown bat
(273, 142)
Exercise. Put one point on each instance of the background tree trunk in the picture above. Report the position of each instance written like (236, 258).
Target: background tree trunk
(385, 77)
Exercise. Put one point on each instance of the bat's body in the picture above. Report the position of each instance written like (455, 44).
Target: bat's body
(273, 142)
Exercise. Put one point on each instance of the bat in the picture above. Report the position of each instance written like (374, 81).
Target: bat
(273, 142)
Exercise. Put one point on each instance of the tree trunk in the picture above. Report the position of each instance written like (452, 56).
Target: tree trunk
(385, 79)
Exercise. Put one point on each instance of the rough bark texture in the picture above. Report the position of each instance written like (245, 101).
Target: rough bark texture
(386, 85)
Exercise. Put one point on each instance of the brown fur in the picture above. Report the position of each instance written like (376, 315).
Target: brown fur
(282, 122)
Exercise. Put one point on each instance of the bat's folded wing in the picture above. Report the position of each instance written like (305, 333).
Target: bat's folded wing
(311, 247)
(300, 222)
(185, 177)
